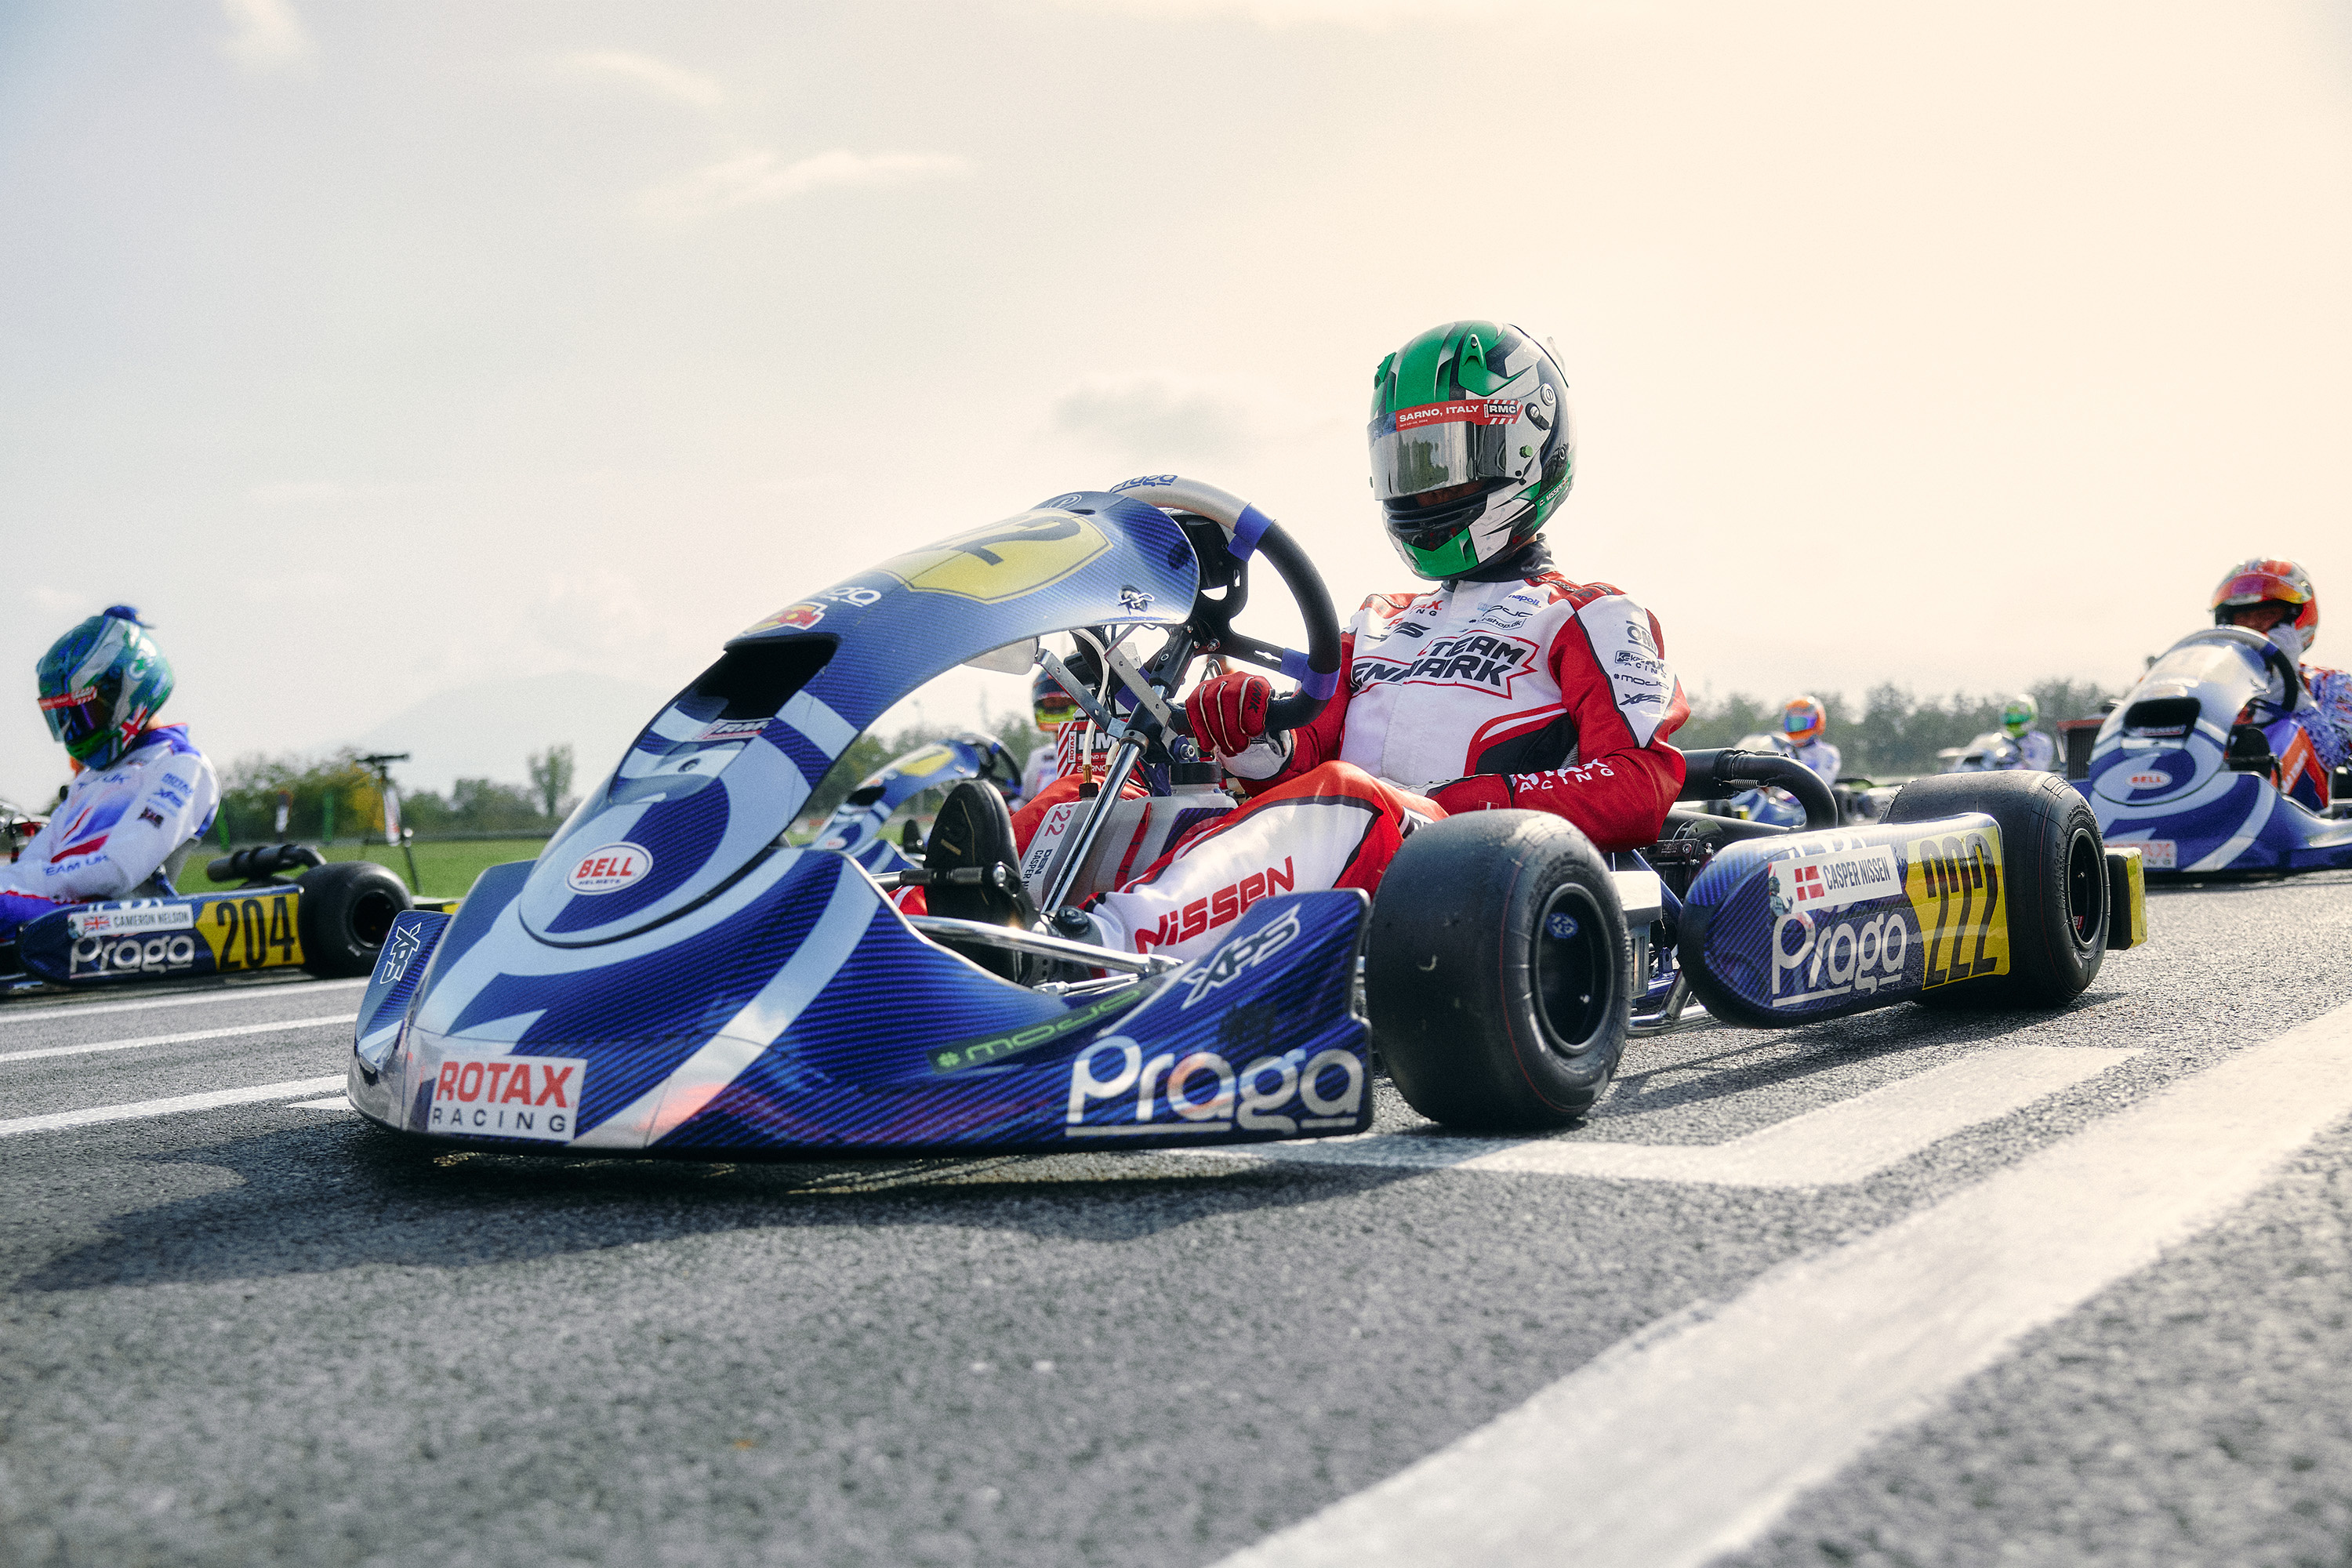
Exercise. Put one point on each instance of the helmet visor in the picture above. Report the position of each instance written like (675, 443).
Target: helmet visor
(2253, 587)
(1439, 444)
(1055, 707)
(77, 718)
(1797, 723)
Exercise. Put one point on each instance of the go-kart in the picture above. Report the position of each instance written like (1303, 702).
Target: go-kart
(855, 827)
(2201, 766)
(330, 920)
(670, 977)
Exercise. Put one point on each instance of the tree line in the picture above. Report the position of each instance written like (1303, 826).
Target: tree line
(336, 796)
(1892, 733)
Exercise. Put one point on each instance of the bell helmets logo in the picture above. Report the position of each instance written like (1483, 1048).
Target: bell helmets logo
(2148, 778)
(610, 869)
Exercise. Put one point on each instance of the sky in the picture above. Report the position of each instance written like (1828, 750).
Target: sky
(379, 353)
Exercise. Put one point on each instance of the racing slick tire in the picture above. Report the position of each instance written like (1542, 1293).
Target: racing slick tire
(345, 912)
(2054, 866)
(1496, 972)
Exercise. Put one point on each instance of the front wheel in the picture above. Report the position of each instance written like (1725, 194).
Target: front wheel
(1496, 972)
(2055, 867)
(346, 912)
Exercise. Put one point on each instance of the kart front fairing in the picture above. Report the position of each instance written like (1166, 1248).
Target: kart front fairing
(2159, 776)
(669, 977)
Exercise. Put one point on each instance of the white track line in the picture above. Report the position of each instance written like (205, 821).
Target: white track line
(1690, 1439)
(1845, 1141)
(31, 1013)
(83, 1050)
(141, 1109)
(333, 1102)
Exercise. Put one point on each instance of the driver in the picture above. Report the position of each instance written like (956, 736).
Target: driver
(139, 790)
(2035, 751)
(1055, 711)
(1803, 722)
(1503, 684)
(2275, 598)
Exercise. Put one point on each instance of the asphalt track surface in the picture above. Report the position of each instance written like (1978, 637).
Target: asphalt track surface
(264, 1331)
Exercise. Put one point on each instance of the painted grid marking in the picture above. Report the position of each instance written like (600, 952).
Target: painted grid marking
(1848, 1141)
(86, 1049)
(1689, 1439)
(9, 1013)
(141, 1109)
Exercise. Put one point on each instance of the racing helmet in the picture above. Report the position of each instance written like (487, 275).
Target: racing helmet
(1051, 706)
(101, 684)
(1803, 718)
(2018, 717)
(2252, 582)
(1473, 449)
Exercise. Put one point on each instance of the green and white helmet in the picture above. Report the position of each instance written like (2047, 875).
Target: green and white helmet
(101, 684)
(2020, 713)
(1472, 448)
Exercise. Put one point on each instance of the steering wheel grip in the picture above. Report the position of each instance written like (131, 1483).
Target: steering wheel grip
(1250, 532)
(2290, 678)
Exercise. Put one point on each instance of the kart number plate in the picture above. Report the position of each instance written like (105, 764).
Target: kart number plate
(258, 932)
(2156, 853)
(509, 1097)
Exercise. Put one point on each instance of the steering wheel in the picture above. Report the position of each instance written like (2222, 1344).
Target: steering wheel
(1247, 531)
(2290, 678)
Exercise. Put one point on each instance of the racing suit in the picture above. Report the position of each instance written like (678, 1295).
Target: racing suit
(2324, 718)
(114, 829)
(2036, 753)
(1510, 688)
(1778, 805)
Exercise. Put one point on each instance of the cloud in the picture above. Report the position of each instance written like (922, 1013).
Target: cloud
(645, 73)
(269, 36)
(1157, 420)
(297, 492)
(1365, 14)
(757, 178)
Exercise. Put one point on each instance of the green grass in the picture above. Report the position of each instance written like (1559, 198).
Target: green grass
(446, 870)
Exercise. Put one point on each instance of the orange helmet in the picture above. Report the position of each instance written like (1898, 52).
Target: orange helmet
(1803, 718)
(2252, 582)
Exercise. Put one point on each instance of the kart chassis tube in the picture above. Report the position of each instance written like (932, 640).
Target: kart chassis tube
(986, 935)
(1720, 774)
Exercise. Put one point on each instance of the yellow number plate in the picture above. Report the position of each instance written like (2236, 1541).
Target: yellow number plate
(1954, 883)
(1005, 559)
(256, 932)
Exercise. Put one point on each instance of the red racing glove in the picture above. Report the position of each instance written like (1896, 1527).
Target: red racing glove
(1229, 712)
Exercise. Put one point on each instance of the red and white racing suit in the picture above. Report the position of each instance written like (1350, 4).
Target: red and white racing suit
(1532, 692)
(115, 828)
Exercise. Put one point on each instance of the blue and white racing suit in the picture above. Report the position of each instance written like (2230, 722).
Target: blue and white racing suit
(114, 830)
(2035, 752)
(1778, 805)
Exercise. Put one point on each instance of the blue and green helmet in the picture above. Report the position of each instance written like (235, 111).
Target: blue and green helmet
(1472, 448)
(101, 684)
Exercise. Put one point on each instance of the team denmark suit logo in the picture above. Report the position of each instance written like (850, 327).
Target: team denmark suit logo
(1478, 662)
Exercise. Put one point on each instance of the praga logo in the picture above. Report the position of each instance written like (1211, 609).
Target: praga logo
(1240, 955)
(509, 1097)
(610, 868)
(94, 956)
(1482, 661)
(1118, 1092)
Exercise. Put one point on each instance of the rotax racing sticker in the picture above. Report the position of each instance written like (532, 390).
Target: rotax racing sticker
(1117, 1092)
(509, 1097)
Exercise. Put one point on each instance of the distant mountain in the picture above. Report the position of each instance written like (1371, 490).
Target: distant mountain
(488, 730)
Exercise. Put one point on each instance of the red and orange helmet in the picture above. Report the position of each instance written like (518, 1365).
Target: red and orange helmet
(2252, 582)
(1803, 718)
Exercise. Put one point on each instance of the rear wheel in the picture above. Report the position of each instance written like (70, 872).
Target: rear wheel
(346, 912)
(1496, 972)
(2054, 868)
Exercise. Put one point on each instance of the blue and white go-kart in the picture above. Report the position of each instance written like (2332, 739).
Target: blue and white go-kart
(670, 977)
(856, 826)
(2201, 768)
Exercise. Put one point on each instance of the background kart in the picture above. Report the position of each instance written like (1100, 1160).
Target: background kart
(2201, 766)
(670, 978)
(856, 826)
(330, 921)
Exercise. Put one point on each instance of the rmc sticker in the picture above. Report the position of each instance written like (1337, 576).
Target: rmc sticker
(509, 1097)
(1115, 1092)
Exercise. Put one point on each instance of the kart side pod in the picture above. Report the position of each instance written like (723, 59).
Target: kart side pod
(1988, 889)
